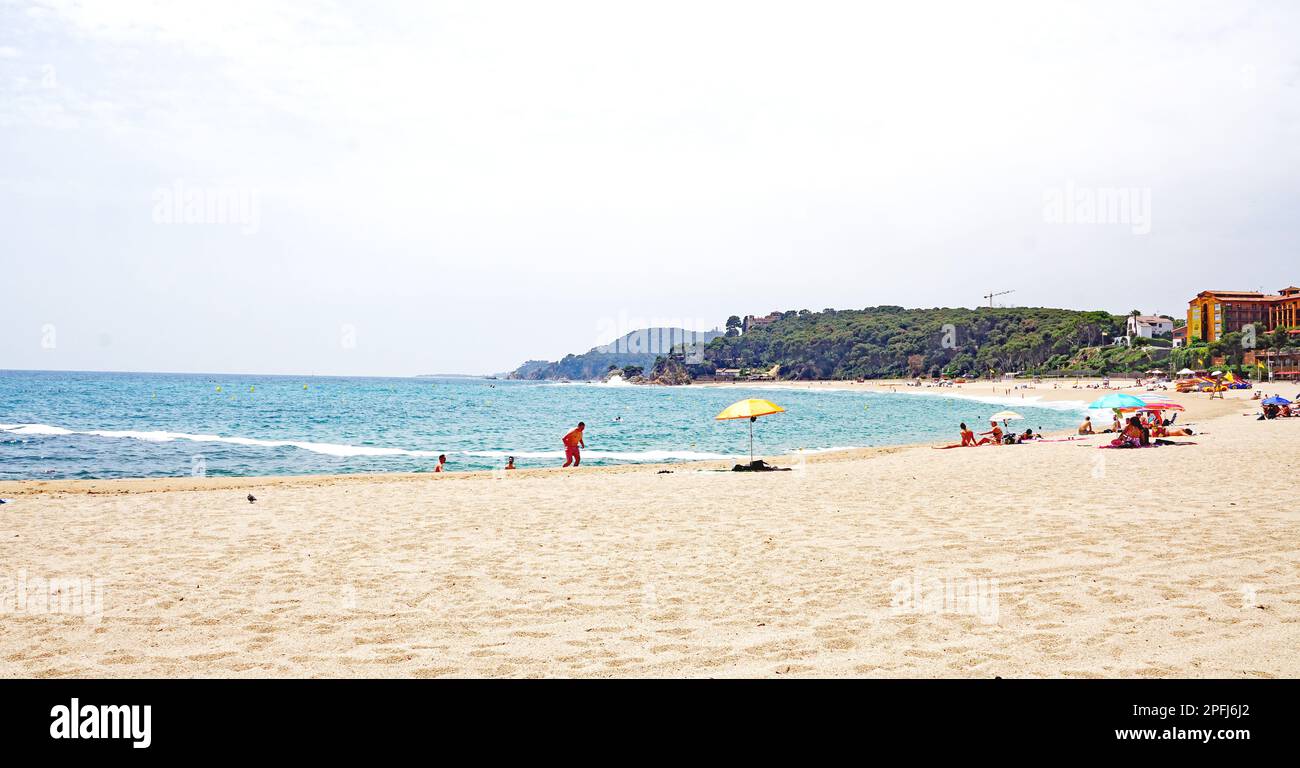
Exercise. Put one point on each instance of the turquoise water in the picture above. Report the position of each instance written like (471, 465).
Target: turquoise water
(106, 425)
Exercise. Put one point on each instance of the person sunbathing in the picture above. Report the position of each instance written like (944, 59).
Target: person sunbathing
(1086, 427)
(967, 439)
(1163, 431)
(1136, 431)
(995, 435)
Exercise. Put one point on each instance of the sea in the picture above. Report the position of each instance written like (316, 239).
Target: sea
(65, 425)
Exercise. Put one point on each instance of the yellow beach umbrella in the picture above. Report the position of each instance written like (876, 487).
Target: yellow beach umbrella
(749, 409)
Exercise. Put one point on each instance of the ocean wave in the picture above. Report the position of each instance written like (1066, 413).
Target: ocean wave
(832, 449)
(633, 456)
(34, 429)
(344, 450)
(1028, 401)
(159, 436)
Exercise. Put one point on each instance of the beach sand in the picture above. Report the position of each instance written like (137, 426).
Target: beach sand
(1054, 559)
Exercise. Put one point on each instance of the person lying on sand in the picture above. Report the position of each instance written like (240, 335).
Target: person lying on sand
(967, 439)
(1086, 427)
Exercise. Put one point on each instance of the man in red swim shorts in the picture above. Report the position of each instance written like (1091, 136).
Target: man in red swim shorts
(572, 442)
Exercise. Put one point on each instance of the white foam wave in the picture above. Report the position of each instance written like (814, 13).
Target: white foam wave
(650, 456)
(158, 436)
(35, 429)
(1028, 401)
(343, 450)
(825, 450)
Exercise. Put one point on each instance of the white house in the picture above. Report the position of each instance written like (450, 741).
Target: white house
(1148, 326)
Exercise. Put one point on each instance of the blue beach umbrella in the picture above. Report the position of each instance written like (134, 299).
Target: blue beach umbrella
(1117, 400)
(1276, 400)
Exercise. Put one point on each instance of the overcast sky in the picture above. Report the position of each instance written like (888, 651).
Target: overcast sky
(428, 187)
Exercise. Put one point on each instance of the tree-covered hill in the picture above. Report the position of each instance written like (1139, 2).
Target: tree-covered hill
(641, 348)
(889, 341)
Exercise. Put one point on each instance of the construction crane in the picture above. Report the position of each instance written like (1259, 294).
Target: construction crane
(991, 294)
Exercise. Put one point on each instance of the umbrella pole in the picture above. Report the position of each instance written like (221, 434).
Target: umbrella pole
(751, 441)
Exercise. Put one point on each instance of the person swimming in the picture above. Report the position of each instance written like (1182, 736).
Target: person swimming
(510, 462)
(442, 463)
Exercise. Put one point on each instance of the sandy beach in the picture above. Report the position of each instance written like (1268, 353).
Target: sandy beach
(1047, 560)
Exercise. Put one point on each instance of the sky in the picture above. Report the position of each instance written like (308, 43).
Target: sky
(397, 188)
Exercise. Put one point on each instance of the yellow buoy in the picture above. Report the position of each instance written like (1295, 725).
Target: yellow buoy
(218, 387)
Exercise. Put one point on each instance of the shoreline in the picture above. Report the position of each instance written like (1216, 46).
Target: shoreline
(1198, 407)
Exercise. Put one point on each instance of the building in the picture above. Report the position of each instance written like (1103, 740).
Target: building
(1214, 313)
(753, 322)
(1149, 326)
(1179, 336)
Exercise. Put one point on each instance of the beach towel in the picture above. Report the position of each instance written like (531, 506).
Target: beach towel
(758, 465)
(1157, 444)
